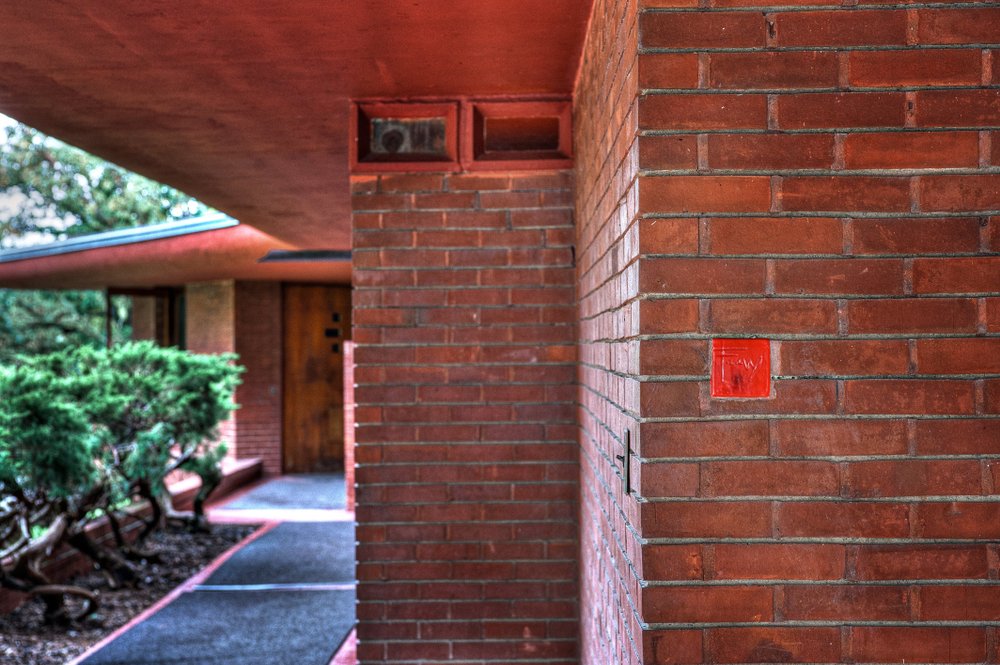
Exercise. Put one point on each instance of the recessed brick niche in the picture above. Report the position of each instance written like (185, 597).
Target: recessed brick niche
(472, 135)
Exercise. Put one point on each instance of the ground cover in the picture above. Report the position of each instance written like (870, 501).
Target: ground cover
(25, 639)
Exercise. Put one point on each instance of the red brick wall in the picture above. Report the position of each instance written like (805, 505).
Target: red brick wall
(209, 318)
(209, 328)
(466, 454)
(259, 343)
(606, 163)
(825, 177)
(349, 422)
(143, 318)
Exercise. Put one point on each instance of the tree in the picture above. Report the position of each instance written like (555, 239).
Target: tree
(84, 433)
(53, 188)
(48, 472)
(34, 322)
(49, 191)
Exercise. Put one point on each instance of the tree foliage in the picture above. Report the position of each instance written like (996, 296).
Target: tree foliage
(47, 446)
(86, 432)
(53, 187)
(39, 322)
(48, 191)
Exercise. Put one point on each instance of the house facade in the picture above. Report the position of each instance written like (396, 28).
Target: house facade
(715, 381)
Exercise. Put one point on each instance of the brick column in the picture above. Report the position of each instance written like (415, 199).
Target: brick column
(210, 317)
(210, 328)
(606, 148)
(349, 422)
(259, 344)
(825, 178)
(466, 455)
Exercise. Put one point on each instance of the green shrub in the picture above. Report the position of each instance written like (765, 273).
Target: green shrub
(85, 431)
(47, 445)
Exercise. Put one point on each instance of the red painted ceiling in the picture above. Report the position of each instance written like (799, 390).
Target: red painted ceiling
(243, 103)
(231, 253)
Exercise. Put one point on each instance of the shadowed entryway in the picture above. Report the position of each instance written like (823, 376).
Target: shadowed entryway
(317, 323)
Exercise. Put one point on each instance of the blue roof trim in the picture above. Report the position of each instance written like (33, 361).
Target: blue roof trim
(200, 224)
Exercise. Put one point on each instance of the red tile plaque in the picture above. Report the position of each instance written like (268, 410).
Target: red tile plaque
(741, 368)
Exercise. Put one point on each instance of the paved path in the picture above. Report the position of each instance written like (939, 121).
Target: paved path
(287, 597)
(301, 498)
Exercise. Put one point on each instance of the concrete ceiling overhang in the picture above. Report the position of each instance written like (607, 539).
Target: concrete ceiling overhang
(244, 103)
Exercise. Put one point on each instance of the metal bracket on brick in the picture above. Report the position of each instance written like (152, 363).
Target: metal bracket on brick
(626, 462)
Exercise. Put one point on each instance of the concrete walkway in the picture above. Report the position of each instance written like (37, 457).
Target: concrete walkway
(300, 498)
(285, 596)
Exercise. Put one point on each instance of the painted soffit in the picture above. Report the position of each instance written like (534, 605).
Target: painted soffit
(169, 255)
(244, 104)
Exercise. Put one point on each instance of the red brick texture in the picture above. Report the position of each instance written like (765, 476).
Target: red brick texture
(209, 317)
(143, 317)
(349, 422)
(824, 176)
(258, 343)
(608, 240)
(209, 313)
(464, 325)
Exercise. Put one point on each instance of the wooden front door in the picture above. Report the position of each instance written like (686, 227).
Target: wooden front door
(317, 321)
